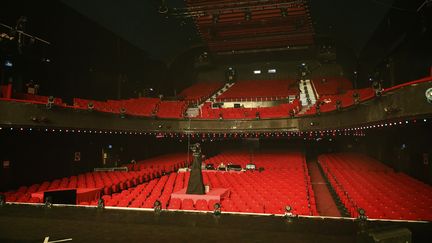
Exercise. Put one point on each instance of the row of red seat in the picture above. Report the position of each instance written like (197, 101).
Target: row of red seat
(200, 91)
(108, 182)
(362, 182)
(163, 163)
(37, 98)
(282, 110)
(328, 103)
(171, 109)
(255, 90)
(137, 107)
(284, 182)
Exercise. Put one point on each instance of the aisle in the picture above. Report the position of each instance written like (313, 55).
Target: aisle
(326, 206)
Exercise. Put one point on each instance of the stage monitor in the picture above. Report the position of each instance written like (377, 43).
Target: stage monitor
(250, 167)
(61, 196)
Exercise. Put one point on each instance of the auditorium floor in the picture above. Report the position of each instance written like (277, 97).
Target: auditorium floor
(20, 223)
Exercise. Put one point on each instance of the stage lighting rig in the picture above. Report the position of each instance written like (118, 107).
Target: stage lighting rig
(18, 33)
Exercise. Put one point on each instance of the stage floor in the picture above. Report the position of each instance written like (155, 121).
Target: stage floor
(22, 223)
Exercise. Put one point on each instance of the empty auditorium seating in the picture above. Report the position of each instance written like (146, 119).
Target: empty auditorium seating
(328, 103)
(108, 182)
(171, 109)
(200, 91)
(36, 98)
(331, 85)
(258, 90)
(136, 107)
(362, 182)
(284, 181)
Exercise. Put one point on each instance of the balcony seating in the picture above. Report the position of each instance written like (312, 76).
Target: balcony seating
(260, 90)
(40, 99)
(200, 91)
(331, 85)
(171, 109)
(136, 107)
(328, 103)
(362, 182)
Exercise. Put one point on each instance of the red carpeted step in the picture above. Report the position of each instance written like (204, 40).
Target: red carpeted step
(326, 206)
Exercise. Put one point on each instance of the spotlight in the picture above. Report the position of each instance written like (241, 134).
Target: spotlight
(50, 102)
(356, 98)
(122, 112)
(377, 87)
(157, 206)
(284, 12)
(362, 214)
(220, 116)
(248, 15)
(217, 209)
(429, 95)
(101, 203)
(288, 214)
(291, 113)
(2, 200)
(338, 105)
(48, 202)
(90, 106)
(215, 18)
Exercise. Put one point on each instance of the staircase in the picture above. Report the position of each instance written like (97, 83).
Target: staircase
(308, 96)
(195, 111)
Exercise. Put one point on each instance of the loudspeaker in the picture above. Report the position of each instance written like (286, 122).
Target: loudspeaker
(394, 235)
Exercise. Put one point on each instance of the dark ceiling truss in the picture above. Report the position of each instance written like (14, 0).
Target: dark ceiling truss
(230, 25)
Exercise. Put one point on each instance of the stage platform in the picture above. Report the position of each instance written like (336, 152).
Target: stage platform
(25, 223)
(82, 194)
(214, 194)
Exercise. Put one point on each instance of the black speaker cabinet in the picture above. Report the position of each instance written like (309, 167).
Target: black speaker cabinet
(61, 196)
